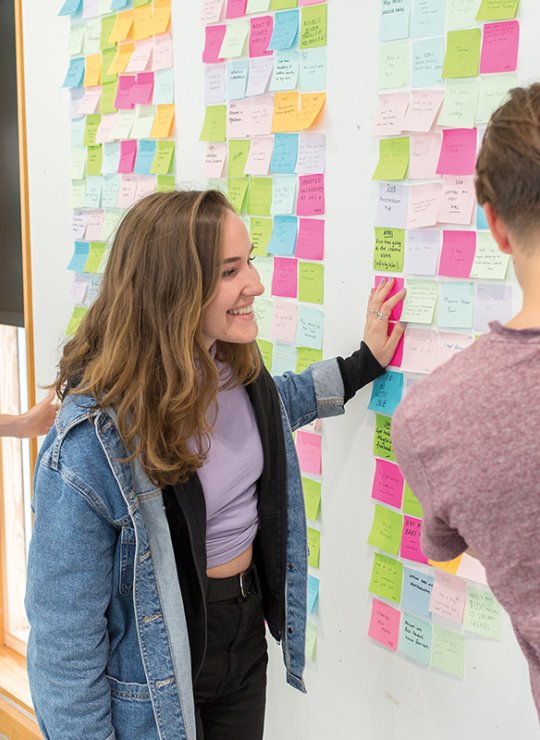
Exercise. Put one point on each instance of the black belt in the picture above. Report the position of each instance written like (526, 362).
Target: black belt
(233, 587)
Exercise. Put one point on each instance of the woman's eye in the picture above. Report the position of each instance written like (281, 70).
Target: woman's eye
(228, 273)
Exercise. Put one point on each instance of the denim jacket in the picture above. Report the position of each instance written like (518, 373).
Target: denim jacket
(108, 654)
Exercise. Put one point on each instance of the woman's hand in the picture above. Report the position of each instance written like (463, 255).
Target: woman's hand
(39, 419)
(379, 307)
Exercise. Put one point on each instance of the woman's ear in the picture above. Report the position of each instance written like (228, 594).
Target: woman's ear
(498, 229)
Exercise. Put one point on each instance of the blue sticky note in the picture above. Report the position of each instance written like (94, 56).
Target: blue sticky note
(70, 7)
(77, 132)
(284, 358)
(309, 330)
(145, 156)
(312, 70)
(163, 87)
(94, 187)
(428, 18)
(111, 157)
(427, 62)
(237, 74)
(415, 638)
(121, 4)
(386, 393)
(75, 73)
(285, 29)
(394, 20)
(80, 255)
(481, 221)
(283, 240)
(111, 185)
(416, 593)
(456, 303)
(312, 592)
(284, 154)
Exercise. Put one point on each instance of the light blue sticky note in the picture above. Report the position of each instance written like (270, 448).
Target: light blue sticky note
(415, 638)
(427, 18)
(111, 184)
(394, 20)
(481, 221)
(456, 304)
(283, 240)
(80, 255)
(94, 187)
(70, 7)
(121, 4)
(77, 132)
(285, 72)
(417, 587)
(312, 71)
(309, 330)
(312, 592)
(163, 87)
(237, 74)
(386, 393)
(75, 73)
(145, 156)
(111, 157)
(283, 195)
(427, 62)
(285, 29)
(284, 154)
(284, 358)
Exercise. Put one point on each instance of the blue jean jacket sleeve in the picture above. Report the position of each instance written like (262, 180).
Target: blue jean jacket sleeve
(69, 585)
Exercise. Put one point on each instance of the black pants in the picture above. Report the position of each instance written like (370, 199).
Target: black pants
(230, 691)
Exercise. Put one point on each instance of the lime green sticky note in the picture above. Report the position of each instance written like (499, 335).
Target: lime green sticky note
(382, 441)
(311, 282)
(215, 123)
(307, 357)
(448, 651)
(389, 250)
(75, 320)
(386, 530)
(312, 497)
(482, 613)
(314, 546)
(107, 24)
(236, 192)
(163, 158)
(237, 157)
(283, 4)
(393, 159)
(107, 58)
(90, 129)
(460, 13)
(266, 349)
(386, 578)
(419, 304)
(95, 255)
(264, 310)
(108, 96)
(313, 26)
(260, 196)
(493, 93)
(260, 233)
(411, 505)
(311, 641)
(138, 3)
(489, 262)
(462, 56)
(234, 41)
(497, 10)
(394, 65)
(94, 160)
(165, 183)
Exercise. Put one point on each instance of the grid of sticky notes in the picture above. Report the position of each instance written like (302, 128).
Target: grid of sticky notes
(120, 79)
(265, 82)
(444, 67)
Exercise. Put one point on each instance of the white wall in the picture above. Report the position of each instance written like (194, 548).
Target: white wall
(356, 689)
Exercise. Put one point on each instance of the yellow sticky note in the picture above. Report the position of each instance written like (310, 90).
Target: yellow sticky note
(311, 104)
(314, 545)
(121, 59)
(161, 17)
(163, 122)
(162, 161)
(285, 117)
(122, 27)
(450, 567)
(92, 70)
(142, 22)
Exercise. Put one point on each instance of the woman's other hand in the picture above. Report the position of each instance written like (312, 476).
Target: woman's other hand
(376, 336)
(39, 419)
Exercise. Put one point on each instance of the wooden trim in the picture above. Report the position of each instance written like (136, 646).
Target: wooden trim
(2, 555)
(17, 725)
(17, 717)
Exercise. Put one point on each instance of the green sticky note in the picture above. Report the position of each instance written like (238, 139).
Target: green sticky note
(489, 262)
(260, 196)
(283, 4)
(497, 10)
(462, 57)
(78, 163)
(237, 157)
(94, 160)
(314, 545)
(448, 651)
(163, 158)
(110, 224)
(236, 192)
(107, 24)
(165, 184)
(313, 26)
(90, 129)
(266, 350)
(76, 37)
(386, 578)
(460, 13)
(415, 637)
(234, 40)
(307, 357)
(108, 96)
(312, 497)
(493, 93)
(75, 320)
(78, 193)
(215, 123)
(394, 65)
(389, 250)
(411, 505)
(386, 530)
(482, 613)
(265, 268)
(311, 641)
(460, 103)
(95, 255)
(382, 441)
(264, 310)
(393, 159)
(138, 3)
(419, 303)
(107, 58)
(311, 282)
(260, 233)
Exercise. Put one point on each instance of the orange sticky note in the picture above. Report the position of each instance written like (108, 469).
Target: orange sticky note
(121, 60)
(122, 27)
(450, 567)
(142, 22)
(161, 17)
(311, 104)
(285, 117)
(163, 122)
(92, 70)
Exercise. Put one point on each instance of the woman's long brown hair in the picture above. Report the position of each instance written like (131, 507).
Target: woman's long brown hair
(140, 347)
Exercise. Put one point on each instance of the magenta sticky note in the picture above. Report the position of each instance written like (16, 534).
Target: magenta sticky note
(457, 253)
(384, 624)
(260, 33)
(399, 283)
(387, 483)
(124, 92)
(309, 449)
(310, 199)
(310, 239)
(458, 152)
(397, 357)
(410, 540)
(235, 8)
(128, 153)
(213, 38)
(285, 277)
(144, 88)
(500, 44)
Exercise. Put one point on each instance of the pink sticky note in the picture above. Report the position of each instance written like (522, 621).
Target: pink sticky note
(448, 596)
(425, 150)
(128, 153)
(384, 624)
(309, 449)
(410, 540)
(457, 254)
(449, 344)
(423, 205)
(397, 357)
(395, 313)
(457, 201)
(458, 152)
(260, 154)
(390, 114)
(163, 52)
(310, 200)
(235, 8)
(387, 483)
(310, 239)
(214, 36)
(284, 321)
(499, 47)
(419, 351)
(260, 33)
(214, 161)
(126, 191)
(95, 226)
(124, 92)
(262, 110)
(144, 88)
(285, 277)
(238, 119)
(424, 107)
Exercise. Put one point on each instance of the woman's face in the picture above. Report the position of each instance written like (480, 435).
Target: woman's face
(230, 317)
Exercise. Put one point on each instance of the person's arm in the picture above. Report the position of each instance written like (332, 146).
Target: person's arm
(36, 421)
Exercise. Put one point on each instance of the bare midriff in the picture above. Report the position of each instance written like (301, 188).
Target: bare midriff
(235, 566)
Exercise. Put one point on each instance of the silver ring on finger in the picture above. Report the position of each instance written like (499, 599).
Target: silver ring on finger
(382, 316)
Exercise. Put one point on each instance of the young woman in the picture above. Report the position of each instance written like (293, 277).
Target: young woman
(169, 519)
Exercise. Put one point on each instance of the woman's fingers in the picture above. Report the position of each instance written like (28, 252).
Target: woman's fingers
(388, 305)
